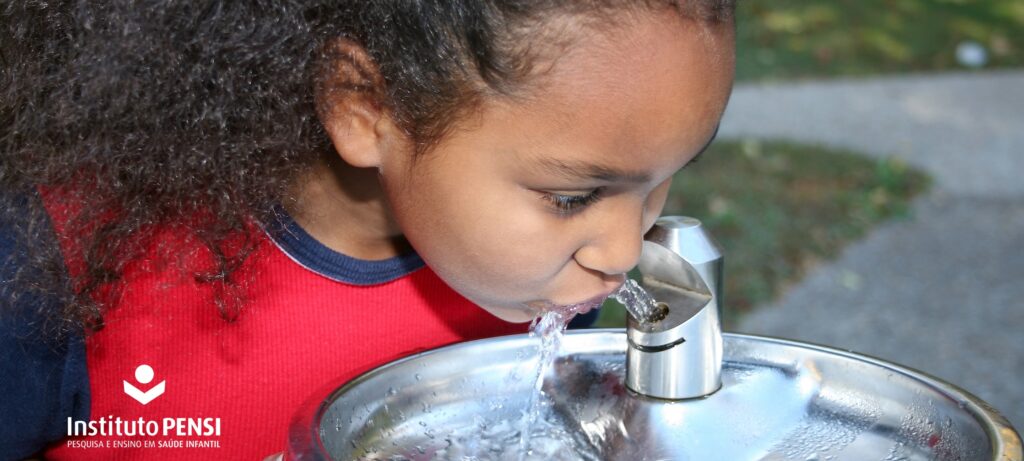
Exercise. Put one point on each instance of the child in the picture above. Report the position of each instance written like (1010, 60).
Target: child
(213, 209)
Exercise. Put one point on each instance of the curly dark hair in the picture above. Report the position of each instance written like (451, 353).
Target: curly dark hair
(148, 114)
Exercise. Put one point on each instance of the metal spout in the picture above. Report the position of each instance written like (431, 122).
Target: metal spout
(679, 355)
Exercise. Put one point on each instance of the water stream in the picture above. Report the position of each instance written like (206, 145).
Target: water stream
(550, 327)
(637, 302)
(532, 432)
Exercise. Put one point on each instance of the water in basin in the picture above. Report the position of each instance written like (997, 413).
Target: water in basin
(779, 401)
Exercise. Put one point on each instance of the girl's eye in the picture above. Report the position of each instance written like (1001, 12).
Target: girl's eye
(569, 204)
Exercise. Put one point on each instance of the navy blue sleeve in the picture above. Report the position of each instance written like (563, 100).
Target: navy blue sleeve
(584, 320)
(42, 381)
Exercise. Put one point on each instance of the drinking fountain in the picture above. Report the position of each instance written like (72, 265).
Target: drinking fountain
(670, 386)
(675, 349)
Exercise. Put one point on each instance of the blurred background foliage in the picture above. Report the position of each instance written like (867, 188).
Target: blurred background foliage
(786, 39)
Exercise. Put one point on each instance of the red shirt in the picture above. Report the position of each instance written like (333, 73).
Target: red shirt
(311, 316)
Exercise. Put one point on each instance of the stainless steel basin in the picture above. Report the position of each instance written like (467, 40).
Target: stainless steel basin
(780, 400)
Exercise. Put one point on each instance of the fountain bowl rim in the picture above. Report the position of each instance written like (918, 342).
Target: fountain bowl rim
(304, 442)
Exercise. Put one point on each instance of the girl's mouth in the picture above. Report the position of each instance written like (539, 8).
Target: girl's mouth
(581, 307)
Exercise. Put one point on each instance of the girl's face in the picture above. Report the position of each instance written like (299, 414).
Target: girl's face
(542, 203)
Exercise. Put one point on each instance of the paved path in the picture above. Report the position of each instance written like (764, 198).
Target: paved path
(941, 291)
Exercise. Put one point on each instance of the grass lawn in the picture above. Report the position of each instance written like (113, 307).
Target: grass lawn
(778, 208)
(783, 39)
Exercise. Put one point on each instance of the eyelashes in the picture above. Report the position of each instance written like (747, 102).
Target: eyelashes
(571, 204)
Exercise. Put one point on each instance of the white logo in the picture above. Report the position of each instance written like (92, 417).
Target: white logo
(144, 374)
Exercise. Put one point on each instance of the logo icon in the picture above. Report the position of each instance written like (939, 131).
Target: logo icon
(144, 374)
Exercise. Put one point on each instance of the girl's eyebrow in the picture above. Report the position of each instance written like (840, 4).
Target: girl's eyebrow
(575, 169)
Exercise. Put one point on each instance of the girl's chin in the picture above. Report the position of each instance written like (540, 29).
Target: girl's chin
(513, 315)
(576, 309)
(530, 311)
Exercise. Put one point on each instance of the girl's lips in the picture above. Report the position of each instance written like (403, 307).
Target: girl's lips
(581, 307)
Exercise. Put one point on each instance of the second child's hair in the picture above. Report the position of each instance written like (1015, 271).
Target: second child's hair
(201, 115)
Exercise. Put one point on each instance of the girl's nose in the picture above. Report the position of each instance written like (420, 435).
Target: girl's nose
(618, 234)
(614, 247)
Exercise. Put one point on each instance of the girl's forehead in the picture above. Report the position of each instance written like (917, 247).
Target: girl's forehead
(664, 89)
(654, 41)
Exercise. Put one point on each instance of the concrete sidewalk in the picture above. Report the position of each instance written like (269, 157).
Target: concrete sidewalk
(942, 290)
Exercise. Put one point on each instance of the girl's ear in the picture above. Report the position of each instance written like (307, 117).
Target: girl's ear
(349, 103)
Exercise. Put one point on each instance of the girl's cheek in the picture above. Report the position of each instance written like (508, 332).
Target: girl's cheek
(541, 258)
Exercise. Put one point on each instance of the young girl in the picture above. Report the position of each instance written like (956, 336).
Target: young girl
(213, 209)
